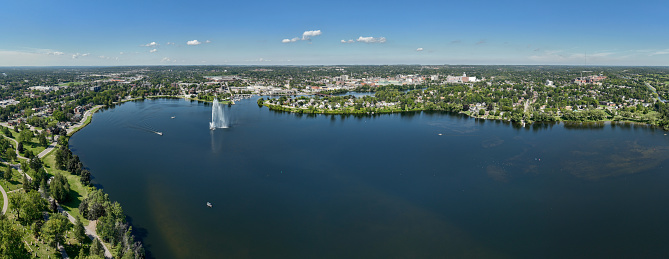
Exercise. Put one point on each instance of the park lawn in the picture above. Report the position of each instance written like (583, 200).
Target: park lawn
(77, 190)
(14, 183)
(32, 145)
(70, 83)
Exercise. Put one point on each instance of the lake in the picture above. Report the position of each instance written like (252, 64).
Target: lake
(421, 185)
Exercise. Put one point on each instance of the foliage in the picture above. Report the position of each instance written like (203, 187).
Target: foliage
(11, 241)
(59, 188)
(54, 229)
(28, 206)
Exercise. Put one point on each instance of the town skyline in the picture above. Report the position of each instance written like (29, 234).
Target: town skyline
(122, 33)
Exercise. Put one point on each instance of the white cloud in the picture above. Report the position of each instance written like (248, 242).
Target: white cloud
(152, 44)
(347, 41)
(153, 50)
(80, 55)
(290, 40)
(171, 43)
(121, 53)
(166, 60)
(372, 39)
(308, 34)
(193, 42)
(55, 53)
(419, 49)
(207, 41)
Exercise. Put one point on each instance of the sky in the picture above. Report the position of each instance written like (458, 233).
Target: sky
(345, 32)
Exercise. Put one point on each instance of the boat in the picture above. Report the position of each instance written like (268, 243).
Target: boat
(212, 126)
(159, 133)
(173, 117)
(209, 205)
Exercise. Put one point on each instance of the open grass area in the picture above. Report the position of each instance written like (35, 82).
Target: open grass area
(70, 84)
(32, 145)
(14, 183)
(77, 190)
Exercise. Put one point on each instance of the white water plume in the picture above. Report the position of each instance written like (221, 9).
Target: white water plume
(217, 117)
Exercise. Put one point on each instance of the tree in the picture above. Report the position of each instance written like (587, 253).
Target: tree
(42, 140)
(11, 154)
(25, 136)
(85, 177)
(26, 183)
(29, 205)
(54, 229)
(79, 231)
(11, 241)
(36, 163)
(59, 115)
(96, 249)
(59, 188)
(19, 147)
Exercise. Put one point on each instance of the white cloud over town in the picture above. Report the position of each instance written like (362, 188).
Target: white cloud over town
(193, 42)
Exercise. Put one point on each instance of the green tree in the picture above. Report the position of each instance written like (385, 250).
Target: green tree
(25, 136)
(19, 147)
(59, 115)
(11, 241)
(96, 248)
(29, 205)
(42, 140)
(59, 188)
(79, 231)
(54, 229)
(11, 154)
(36, 163)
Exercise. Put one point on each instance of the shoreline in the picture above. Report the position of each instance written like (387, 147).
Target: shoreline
(279, 108)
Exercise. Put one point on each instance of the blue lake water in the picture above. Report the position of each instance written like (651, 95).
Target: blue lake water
(422, 185)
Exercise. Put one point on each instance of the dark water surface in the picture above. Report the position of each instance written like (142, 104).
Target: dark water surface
(296, 186)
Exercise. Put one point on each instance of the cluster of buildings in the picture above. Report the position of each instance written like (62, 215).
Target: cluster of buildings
(461, 79)
(597, 79)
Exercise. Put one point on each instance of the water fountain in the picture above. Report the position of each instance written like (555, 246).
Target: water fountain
(217, 117)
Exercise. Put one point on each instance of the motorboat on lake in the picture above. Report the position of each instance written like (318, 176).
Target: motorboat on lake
(209, 205)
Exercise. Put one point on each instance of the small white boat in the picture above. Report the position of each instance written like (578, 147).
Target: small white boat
(209, 205)
(159, 133)
(212, 126)
(172, 117)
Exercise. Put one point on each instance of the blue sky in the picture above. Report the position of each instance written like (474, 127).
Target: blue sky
(73, 33)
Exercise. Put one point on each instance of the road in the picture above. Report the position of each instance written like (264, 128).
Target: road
(83, 119)
(4, 197)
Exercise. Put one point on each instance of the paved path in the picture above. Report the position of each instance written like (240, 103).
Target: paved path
(4, 197)
(16, 144)
(47, 150)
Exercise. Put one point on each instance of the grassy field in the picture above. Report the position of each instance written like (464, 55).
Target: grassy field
(70, 83)
(14, 183)
(77, 190)
(32, 145)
